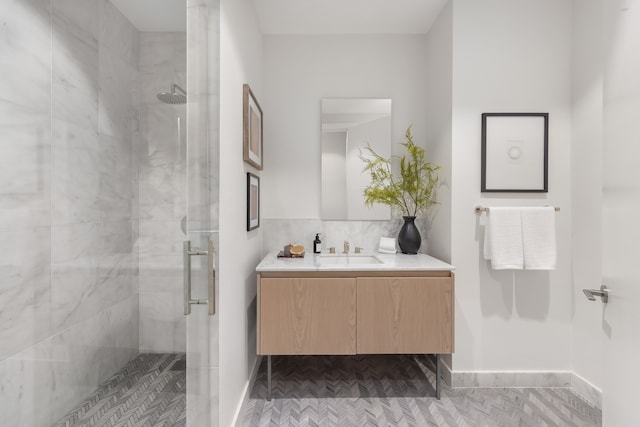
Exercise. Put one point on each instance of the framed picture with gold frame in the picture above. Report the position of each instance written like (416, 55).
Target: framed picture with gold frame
(252, 122)
(253, 201)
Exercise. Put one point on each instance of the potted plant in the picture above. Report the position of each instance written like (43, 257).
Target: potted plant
(412, 191)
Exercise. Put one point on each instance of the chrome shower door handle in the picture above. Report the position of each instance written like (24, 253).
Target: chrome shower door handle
(211, 278)
(186, 276)
(188, 252)
(603, 293)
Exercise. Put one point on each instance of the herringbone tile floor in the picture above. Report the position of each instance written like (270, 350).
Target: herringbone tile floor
(149, 391)
(384, 391)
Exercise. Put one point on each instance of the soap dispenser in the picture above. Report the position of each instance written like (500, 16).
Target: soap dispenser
(317, 244)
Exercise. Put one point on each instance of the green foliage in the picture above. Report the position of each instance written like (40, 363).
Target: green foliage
(413, 191)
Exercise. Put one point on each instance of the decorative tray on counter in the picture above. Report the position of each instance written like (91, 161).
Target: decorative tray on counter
(282, 255)
(292, 251)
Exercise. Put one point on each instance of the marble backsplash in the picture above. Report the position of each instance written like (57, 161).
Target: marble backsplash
(365, 234)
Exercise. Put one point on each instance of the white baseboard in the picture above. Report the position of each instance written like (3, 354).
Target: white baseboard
(461, 379)
(247, 389)
(586, 390)
(489, 379)
(474, 379)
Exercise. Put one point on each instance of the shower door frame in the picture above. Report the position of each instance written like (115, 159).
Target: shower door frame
(203, 34)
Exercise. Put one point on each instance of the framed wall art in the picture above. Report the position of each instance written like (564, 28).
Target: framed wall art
(253, 201)
(252, 132)
(515, 154)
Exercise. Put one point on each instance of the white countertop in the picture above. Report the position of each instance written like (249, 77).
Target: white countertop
(389, 262)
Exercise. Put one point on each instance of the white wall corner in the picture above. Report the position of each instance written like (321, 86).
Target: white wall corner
(240, 62)
(586, 390)
(446, 372)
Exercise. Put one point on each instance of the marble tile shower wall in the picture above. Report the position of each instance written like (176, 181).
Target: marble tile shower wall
(365, 234)
(68, 208)
(163, 61)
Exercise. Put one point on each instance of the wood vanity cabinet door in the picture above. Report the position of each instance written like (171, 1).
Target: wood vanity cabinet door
(307, 316)
(405, 315)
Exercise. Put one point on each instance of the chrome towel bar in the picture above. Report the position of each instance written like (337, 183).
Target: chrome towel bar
(480, 209)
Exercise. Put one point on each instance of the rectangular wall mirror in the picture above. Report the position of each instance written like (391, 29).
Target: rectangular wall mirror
(348, 126)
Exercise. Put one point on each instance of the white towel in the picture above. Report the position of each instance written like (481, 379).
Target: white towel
(503, 239)
(539, 238)
(386, 251)
(387, 245)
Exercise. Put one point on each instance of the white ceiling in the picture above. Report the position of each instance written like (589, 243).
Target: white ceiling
(155, 15)
(347, 16)
(301, 16)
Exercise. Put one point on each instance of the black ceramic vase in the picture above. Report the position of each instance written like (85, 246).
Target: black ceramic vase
(409, 238)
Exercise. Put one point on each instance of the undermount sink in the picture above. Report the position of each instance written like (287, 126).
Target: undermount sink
(347, 259)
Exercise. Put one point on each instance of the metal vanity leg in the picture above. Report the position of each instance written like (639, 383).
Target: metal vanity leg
(438, 376)
(269, 377)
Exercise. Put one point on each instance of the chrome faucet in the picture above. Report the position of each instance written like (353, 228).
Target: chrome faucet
(346, 247)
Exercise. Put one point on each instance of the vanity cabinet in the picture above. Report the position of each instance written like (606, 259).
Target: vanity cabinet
(355, 313)
(307, 316)
(403, 305)
(410, 315)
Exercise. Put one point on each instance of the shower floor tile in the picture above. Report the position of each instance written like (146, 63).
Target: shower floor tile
(397, 391)
(149, 391)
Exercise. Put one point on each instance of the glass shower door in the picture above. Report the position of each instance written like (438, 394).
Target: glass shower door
(199, 248)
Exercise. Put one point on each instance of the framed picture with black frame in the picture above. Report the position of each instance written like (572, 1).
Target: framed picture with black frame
(253, 201)
(515, 153)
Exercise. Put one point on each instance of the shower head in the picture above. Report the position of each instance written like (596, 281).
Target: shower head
(173, 97)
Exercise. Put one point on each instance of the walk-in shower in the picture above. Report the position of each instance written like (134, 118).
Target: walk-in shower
(97, 184)
(174, 97)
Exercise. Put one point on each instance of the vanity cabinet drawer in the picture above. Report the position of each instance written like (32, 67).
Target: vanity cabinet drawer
(307, 316)
(405, 315)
